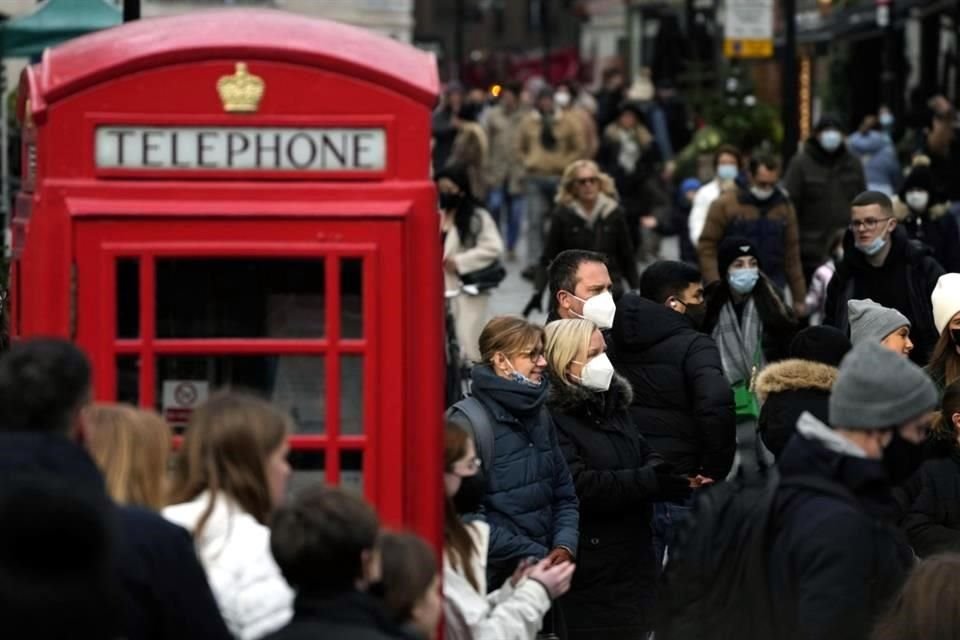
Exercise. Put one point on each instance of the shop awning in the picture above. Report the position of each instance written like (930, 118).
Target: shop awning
(54, 22)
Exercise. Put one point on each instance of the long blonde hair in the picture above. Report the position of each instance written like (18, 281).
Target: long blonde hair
(131, 446)
(566, 339)
(566, 195)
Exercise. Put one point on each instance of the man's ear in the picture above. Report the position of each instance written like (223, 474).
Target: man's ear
(563, 299)
(80, 427)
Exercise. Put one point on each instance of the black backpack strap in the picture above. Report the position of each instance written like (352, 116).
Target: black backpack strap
(479, 422)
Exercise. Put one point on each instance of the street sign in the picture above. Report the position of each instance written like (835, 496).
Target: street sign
(748, 29)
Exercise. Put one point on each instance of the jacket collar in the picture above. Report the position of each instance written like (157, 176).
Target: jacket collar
(602, 210)
(812, 429)
(350, 608)
(578, 400)
(794, 375)
(508, 400)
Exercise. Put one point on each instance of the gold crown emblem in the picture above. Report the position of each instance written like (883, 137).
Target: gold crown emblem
(240, 92)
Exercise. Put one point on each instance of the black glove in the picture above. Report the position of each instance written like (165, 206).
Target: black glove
(536, 303)
(672, 487)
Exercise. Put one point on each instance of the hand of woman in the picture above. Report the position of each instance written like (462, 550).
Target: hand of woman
(555, 579)
(522, 571)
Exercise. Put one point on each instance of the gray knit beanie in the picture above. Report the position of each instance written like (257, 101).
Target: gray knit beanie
(871, 322)
(879, 389)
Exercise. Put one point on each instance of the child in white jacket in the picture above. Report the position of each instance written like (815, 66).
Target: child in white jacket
(231, 474)
(514, 611)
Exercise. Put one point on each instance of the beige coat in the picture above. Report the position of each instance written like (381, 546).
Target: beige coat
(470, 312)
(503, 161)
(571, 144)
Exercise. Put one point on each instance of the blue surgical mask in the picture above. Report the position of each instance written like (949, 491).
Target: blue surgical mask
(886, 120)
(743, 280)
(830, 140)
(874, 247)
(519, 378)
(727, 171)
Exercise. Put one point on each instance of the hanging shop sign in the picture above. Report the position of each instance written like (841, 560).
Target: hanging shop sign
(748, 29)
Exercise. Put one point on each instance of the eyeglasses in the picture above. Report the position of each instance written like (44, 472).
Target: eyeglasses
(584, 181)
(471, 465)
(868, 223)
(533, 355)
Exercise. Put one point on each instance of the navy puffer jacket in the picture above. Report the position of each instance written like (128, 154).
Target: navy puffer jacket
(530, 503)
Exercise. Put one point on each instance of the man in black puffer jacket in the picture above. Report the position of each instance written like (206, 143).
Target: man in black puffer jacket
(682, 401)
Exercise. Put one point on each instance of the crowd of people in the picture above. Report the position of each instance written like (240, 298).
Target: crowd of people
(794, 377)
(762, 437)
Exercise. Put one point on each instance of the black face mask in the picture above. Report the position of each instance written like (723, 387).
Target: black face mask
(901, 459)
(955, 334)
(450, 201)
(696, 313)
(469, 498)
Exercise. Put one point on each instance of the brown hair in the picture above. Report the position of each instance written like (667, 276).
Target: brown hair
(319, 537)
(409, 568)
(944, 366)
(927, 606)
(131, 446)
(508, 335)
(943, 427)
(227, 443)
(729, 150)
(457, 541)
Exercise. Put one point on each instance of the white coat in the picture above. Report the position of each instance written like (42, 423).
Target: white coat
(234, 549)
(470, 312)
(506, 614)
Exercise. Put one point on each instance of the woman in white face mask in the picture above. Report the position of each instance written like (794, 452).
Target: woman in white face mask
(752, 327)
(926, 215)
(617, 477)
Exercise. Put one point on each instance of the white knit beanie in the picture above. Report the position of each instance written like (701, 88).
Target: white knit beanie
(946, 300)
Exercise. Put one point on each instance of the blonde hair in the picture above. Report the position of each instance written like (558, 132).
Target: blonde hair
(508, 335)
(566, 339)
(566, 194)
(131, 446)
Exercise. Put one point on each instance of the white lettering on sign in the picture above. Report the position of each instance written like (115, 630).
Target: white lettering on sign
(240, 148)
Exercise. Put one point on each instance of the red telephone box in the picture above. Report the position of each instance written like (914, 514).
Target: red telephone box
(242, 198)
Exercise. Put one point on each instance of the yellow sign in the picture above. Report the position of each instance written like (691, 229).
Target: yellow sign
(748, 48)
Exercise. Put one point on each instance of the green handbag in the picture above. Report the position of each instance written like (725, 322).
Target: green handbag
(744, 399)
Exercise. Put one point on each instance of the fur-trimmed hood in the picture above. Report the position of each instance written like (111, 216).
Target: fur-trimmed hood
(577, 399)
(793, 375)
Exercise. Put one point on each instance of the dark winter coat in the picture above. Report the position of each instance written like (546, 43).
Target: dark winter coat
(607, 233)
(822, 185)
(933, 521)
(904, 282)
(779, 325)
(835, 562)
(531, 503)
(771, 227)
(786, 389)
(682, 403)
(166, 594)
(614, 587)
(353, 615)
(937, 229)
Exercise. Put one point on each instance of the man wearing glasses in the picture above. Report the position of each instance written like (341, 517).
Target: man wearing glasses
(881, 263)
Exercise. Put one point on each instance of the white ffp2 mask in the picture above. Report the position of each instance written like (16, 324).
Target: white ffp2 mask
(599, 310)
(596, 373)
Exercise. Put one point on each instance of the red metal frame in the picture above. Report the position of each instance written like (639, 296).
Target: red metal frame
(74, 220)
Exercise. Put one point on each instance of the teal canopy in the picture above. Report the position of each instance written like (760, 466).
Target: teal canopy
(54, 22)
